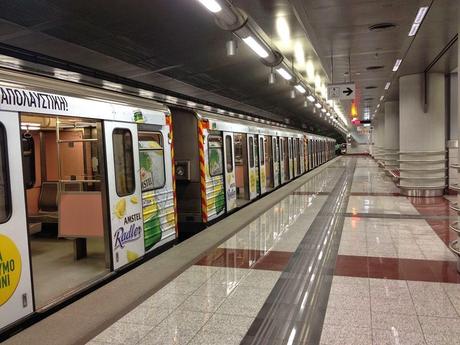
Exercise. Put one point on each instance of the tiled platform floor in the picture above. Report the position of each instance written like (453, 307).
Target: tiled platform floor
(395, 281)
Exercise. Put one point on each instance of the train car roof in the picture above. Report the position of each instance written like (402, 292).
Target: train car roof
(238, 124)
(21, 91)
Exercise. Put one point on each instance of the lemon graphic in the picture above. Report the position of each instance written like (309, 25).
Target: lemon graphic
(131, 256)
(120, 208)
(134, 199)
(252, 181)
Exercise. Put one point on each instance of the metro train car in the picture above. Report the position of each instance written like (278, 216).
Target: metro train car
(95, 190)
(224, 163)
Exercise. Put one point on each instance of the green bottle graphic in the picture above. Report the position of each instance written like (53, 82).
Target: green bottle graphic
(151, 210)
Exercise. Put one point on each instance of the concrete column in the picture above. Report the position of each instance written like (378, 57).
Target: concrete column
(391, 135)
(455, 107)
(380, 137)
(422, 134)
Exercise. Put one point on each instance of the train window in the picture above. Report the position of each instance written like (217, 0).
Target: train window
(262, 151)
(123, 158)
(5, 197)
(151, 160)
(229, 153)
(215, 158)
(251, 152)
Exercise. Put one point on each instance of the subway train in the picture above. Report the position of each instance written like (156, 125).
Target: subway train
(92, 181)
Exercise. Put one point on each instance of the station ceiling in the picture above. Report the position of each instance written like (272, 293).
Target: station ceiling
(176, 45)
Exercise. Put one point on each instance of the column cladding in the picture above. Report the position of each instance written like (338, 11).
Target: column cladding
(391, 135)
(422, 134)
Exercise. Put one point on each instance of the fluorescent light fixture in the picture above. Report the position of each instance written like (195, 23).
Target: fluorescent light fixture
(311, 98)
(378, 105)
(413, 29)
(300, 88)
(418, 20)
(211, 5)
(318, 105)
(255, 46)
(285, 74)
(387, 86)
(397, 64)
(420, 15)
(30, 128)
(323, 110)
(381, 98)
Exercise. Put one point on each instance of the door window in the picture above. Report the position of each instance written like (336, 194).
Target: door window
(123, 158)
(215, 159)
(5, 196)
(151, 159)
(229, 153)
(262, 151)
(251, 152)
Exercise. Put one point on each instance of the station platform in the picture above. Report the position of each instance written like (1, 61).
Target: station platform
(337, 256)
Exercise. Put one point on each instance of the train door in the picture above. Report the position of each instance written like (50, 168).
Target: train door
(315, 153)
(15, 278)
(283, 160)
(295, 158)
(268, 162)
(66, 210)
(302, 155)
(291, 159)
(252, 168)
(276, 162)
(241, 155)
(262, 163)
(124, 192)
(156, 185)
(229, 163)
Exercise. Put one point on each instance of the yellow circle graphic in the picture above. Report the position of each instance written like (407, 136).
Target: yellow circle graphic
(10, 268)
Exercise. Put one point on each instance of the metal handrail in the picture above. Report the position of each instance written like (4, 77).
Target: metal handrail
(421, 152)
(454, 206)
(76, 141)
(422, 178)
(452, 245)
(422, 187)
(80, 181)
(431, 170)
(455, 186)
(422, 160)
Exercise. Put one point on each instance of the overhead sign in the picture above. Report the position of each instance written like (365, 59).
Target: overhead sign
(341, 91)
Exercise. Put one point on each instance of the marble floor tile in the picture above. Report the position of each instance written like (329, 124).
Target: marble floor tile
(346, 335)
(228, 324)
(210, 338)
(348, 317)
(395, 337)
(204, 304)
(430, 299)
(123, 333)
